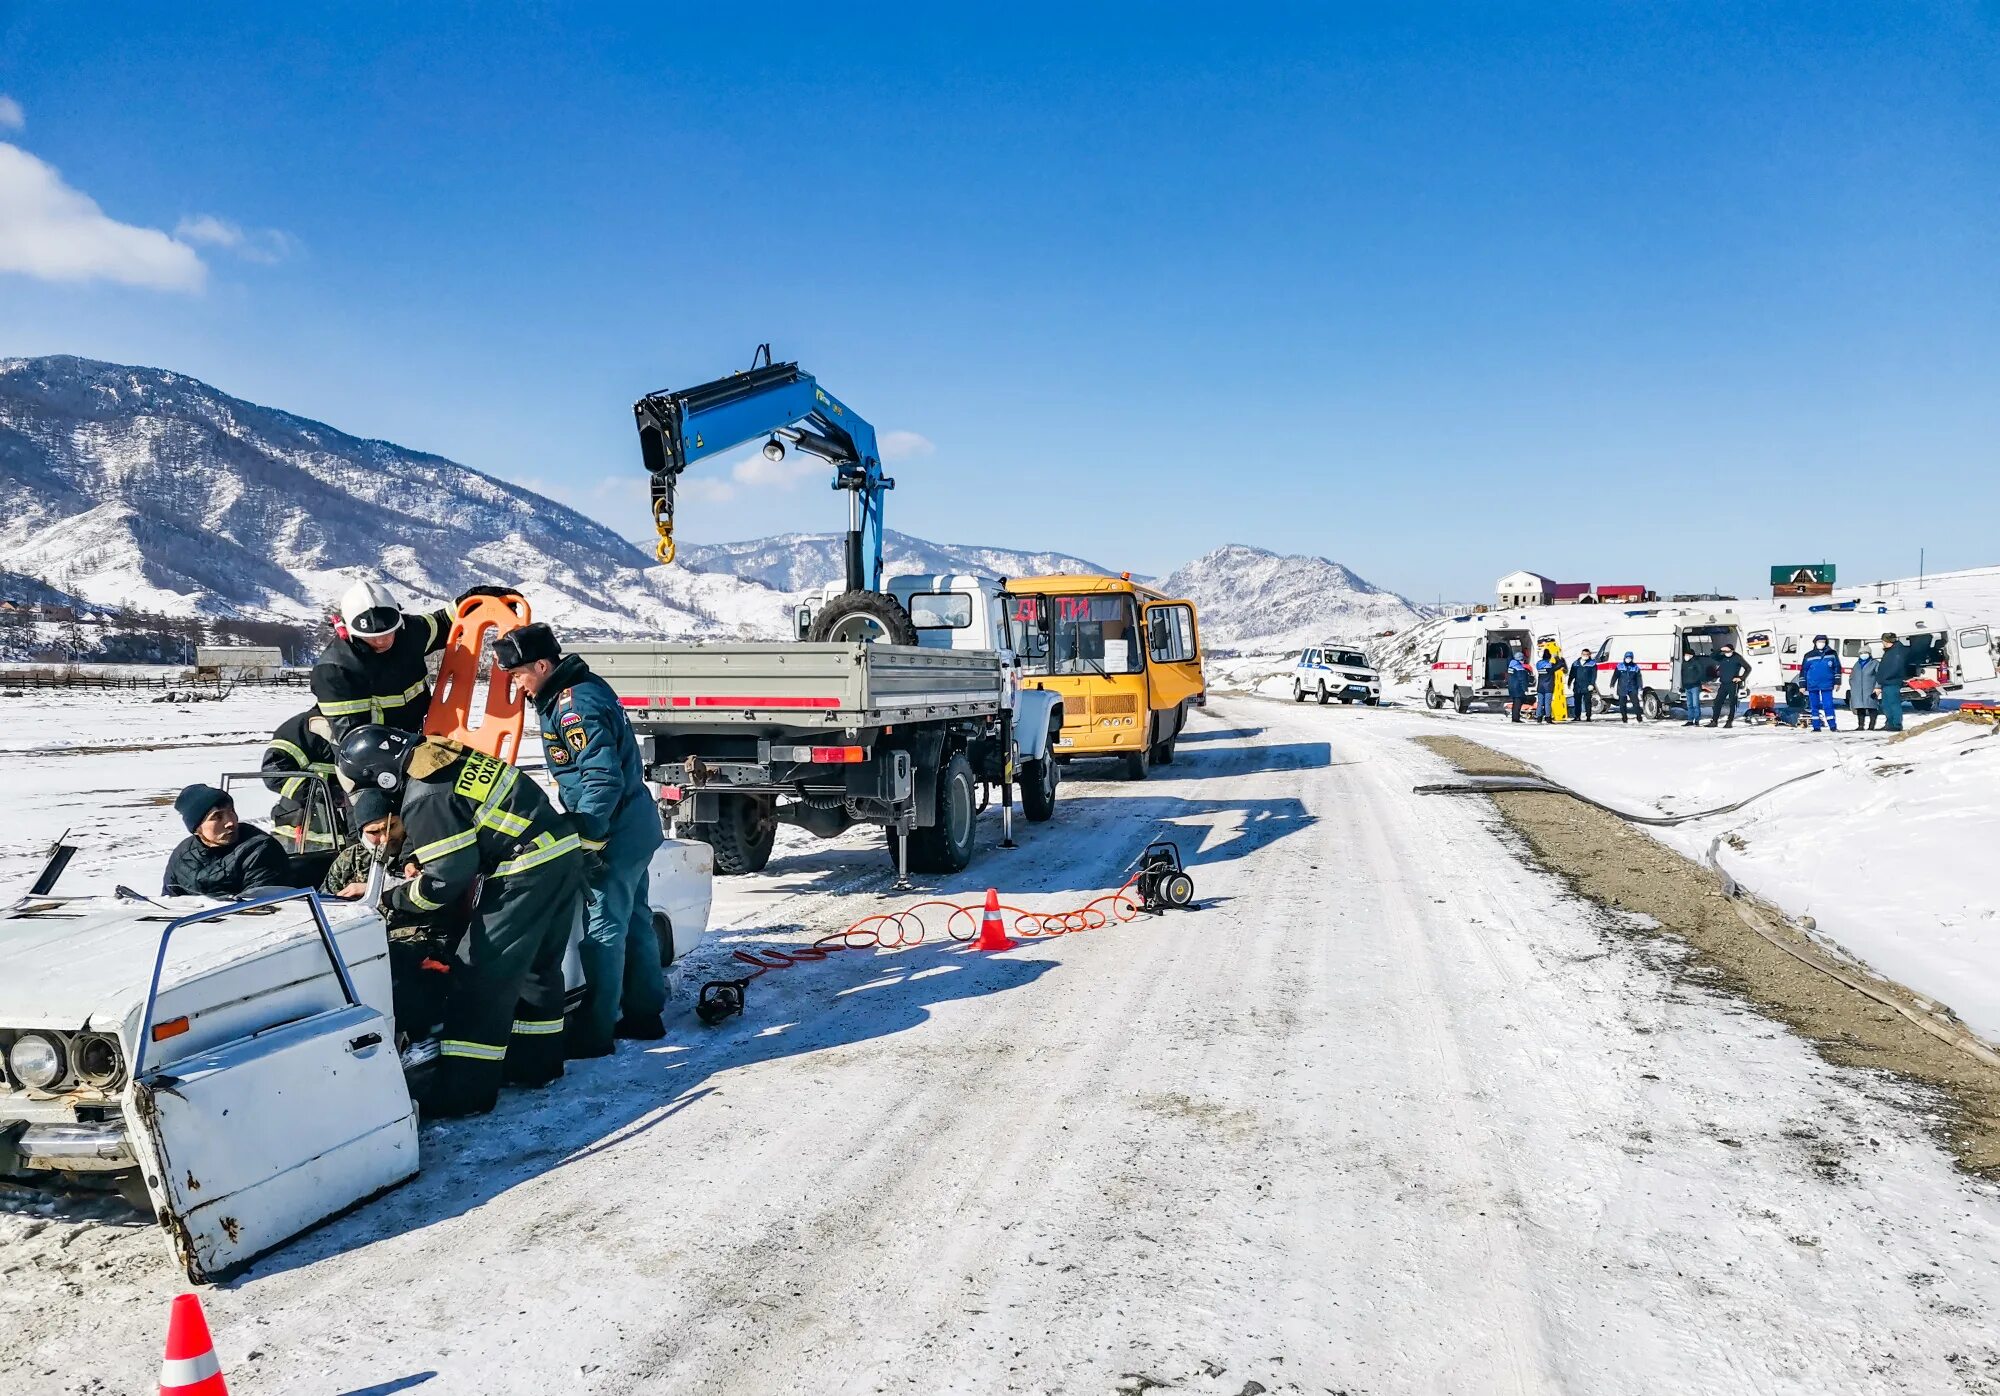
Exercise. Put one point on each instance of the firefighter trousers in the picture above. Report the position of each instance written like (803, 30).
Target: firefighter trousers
(621, 957)
(504, 1016)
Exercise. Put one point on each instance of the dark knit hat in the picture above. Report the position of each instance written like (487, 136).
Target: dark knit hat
(369, 804)
(195, 803)
(524, 645)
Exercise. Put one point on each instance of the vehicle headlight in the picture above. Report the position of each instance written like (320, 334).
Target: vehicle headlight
(35, 1061)
(98, 1060)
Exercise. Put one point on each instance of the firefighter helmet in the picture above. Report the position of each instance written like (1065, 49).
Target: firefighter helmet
(377, 756)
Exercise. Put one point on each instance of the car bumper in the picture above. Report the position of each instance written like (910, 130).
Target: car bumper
(84, 1147)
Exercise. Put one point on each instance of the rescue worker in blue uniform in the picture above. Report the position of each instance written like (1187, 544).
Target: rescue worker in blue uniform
(594, 757)
(1819, 673)
(475, 830)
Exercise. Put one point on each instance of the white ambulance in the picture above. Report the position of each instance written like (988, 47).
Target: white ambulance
(1657, 636)
(1946, 652)
(1470, 663)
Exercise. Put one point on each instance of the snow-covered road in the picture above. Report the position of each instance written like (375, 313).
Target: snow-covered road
(1392, 1112)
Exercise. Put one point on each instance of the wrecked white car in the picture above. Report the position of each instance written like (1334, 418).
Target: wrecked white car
(233, 1068)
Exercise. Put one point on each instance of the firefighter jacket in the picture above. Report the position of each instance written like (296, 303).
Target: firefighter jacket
(594, 756)
(300, 819)
(356, 687)
(467, 815)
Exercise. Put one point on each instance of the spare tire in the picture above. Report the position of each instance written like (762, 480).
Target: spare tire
(869, 617)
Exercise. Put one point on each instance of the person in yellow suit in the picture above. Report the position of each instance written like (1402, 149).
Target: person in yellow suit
(1559, 711)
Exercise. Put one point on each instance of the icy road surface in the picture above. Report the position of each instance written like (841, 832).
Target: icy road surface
(1391, 1113)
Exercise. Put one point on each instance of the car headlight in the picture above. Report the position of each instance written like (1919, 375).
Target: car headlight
(36, 1061)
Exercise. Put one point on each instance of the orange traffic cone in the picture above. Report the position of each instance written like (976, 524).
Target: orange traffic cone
(190, 1368)
(992, 934)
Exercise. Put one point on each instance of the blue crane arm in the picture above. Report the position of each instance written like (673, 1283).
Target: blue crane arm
(776, 401)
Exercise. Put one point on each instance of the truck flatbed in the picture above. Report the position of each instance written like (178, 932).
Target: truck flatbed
(786, 685)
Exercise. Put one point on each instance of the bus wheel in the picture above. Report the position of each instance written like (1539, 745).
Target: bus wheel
(1138, 763)
(1432, 698)
(1163, 754)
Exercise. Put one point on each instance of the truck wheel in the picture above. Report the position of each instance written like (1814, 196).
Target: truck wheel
(663, 928)
(867, 617)
(743, 835)
(1651, 706)
(1432, 698)
(1461, 700)
(1038, 790)
(1038, 786)
(946, 846)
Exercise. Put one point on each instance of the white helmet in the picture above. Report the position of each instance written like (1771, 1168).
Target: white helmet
(369, 608)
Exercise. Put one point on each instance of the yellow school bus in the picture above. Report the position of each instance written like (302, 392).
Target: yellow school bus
(1126, 659)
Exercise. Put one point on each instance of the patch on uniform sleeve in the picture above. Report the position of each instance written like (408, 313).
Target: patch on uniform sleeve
(577, 738)
(569, 719)
(558, 754)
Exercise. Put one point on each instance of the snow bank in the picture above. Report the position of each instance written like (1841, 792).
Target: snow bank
(1889, 850)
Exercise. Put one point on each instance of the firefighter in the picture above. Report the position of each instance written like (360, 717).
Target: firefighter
(473, 827)
(420, 943)
(594, 757)
(303, 746)
(375, 672)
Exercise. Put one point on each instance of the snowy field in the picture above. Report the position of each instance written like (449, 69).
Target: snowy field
(1391, 1112)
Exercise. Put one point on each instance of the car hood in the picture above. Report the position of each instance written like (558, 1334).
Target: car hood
(70, 963)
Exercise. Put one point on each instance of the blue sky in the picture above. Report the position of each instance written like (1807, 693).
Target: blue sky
(1619, 293)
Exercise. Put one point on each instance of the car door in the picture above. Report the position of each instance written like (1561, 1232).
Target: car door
(246, 1145)
(1974, 660)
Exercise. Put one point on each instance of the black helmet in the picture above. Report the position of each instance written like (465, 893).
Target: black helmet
(376, 756)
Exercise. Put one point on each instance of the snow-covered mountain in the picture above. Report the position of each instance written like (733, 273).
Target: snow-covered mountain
(1253, 600)
(140, 488)
(146, 490)
(801, 561)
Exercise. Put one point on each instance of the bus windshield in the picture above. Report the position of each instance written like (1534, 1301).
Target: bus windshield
(1093, 634)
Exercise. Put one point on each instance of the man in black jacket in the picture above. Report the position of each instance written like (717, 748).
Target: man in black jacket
(221, 856)
(1731, 669)
(1693, 674)
(1890, 671)
(1583, 686)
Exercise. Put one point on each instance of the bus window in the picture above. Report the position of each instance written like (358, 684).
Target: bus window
(941, 610)
(1028, 631)
(1094, 634)
(1169, 634)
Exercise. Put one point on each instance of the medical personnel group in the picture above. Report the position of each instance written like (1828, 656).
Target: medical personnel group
(1557, 689)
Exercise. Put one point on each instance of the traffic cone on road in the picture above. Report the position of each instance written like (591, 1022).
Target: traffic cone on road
(992, 934)
(190, 1368)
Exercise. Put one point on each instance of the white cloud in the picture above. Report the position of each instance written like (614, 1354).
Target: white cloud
(55, 233)
(12, 118)
(777, 474)
(265, 245)
(905, 445)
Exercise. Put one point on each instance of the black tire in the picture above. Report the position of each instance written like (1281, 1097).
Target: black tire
(1374, 702)
(743, 834)
(1178, 890)
(863, 615)
(1432, 698)
(1138, 764)
(1927, 703)
(663, 928)
(1039, 780)
(1462, 700)
(1298, 692)
(1322, 695)
(946, 846)
(1651, 707)
(1163, 754)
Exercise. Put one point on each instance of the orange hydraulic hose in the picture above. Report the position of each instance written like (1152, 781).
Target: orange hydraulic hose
(900, 930)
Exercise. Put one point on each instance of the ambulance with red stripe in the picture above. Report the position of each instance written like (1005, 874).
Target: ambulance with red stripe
(1945, 652)
(1470, 663)
(1657, 636)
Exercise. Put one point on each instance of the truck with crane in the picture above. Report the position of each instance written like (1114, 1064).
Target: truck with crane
(872, 718)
